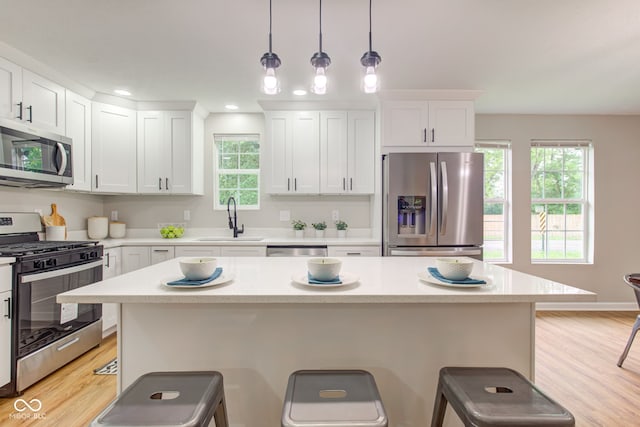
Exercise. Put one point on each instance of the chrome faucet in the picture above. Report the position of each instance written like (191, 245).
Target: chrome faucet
(233, 224)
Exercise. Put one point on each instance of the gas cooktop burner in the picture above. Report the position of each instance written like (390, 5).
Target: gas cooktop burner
(20, 249)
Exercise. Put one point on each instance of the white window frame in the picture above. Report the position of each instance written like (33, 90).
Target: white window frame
(586, 200)
(506, 200)
(217, 171)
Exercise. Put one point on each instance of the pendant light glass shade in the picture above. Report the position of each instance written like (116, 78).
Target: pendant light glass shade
(370, 61)
(270, 62)
(320, 61)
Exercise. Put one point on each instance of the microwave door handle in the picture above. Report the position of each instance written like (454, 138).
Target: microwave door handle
(63, 154)
(434, 199)
(445, 198)
(27, 278)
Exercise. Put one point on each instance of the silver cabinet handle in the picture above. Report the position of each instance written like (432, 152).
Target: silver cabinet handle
(351, 184)
(288, 184)
(433, 134)
(8, 301)
(108, 260)
(424, 135)
(161, 250)
(96, 181)
(166, 183)
(344, 183)
(295, 184)
(434, 199)
(159, 183)
(30, 108)
(19, 111)
(63, 153)
(445, 198)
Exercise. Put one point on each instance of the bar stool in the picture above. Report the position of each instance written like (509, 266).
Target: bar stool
(169, 399)
(632, 280)
(485, 397)
(333, 398)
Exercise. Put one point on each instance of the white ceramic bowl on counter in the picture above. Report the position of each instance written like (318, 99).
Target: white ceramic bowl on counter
(454, 268)
(198, 268)
(324, 268)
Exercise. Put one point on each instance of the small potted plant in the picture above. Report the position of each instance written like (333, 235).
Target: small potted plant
(299, 227)
(319, 227)
(342, 228)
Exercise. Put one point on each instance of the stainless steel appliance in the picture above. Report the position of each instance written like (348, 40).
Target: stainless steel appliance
(297, 250)
(33, 158)
(46, 335)
(433, 204)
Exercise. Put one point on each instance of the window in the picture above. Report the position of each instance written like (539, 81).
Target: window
(237, 172)
(559, 201)
(497, 196)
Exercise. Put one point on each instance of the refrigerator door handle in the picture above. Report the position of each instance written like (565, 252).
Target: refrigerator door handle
(434, 199)
(430, 252)
(445, 198)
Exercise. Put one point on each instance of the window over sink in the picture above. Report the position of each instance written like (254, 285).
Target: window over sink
(237, 170)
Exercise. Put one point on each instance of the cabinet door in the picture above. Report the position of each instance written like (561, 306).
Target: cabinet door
(361, 152)
(178, 134)
(452, 123)
(305, 152)
(112, 263)
(278, 134)
(43, 102)
(10, 89)
(333, 152)
(154, 162)
(405, 123)
(161, 253)
(78, 126)
(113, 154)
(5, 337)
(197, 251)
(135, 257)
(241, 251)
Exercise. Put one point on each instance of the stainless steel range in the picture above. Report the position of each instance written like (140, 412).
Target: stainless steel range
(46, 335)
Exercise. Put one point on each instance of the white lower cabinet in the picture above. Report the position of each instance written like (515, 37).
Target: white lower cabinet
(5, 324)
(197, 251)
(112, 267)
(161, 253)
(243, 251)
(135, 257)
(343, 251)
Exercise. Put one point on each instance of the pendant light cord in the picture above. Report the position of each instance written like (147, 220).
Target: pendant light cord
(270, 26)
(370, 1)
(320, 38)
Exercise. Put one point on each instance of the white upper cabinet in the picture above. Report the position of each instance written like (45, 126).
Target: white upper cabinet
(293, 152)
(347, 152)
(113, 150)
(170, 152)
(30, 98)
(446, 123)
(78, 128)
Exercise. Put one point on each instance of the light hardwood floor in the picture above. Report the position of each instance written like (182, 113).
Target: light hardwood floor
(576, 356)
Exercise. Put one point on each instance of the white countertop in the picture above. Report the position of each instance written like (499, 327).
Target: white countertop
(267, 241)
(268, 280)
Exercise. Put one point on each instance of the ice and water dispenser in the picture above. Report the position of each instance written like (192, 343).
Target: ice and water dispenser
(411, 215)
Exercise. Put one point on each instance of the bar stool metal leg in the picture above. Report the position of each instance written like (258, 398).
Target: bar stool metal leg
(634, 331)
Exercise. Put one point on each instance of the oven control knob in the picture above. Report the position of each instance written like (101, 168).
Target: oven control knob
(51, 262)
(83, 255)
(38, 264)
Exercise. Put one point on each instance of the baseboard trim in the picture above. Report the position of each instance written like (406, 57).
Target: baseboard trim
(586, 306)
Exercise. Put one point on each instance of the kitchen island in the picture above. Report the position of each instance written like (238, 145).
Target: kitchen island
(259, 327)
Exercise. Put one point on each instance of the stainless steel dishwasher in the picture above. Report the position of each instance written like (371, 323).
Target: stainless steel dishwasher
(297, 250)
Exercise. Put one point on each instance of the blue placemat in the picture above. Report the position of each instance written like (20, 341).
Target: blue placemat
(335, 281)
(185, 281)
(468, 281)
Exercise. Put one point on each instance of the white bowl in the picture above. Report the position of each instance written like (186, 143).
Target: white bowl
(324, 268)
(454, 268)
(198, 268)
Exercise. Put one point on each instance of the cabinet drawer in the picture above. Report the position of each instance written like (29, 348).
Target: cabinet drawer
(344, 251)
(197, 251)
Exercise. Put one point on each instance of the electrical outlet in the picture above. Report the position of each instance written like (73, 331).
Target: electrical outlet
(335, 215)
(114, 215)
(187, 215)
(285, 215)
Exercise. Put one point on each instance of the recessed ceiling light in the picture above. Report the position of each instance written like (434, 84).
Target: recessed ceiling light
(231, 107)
(122, 92)
(299, 92)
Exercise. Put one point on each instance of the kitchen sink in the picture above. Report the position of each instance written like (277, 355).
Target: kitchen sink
(230, 239)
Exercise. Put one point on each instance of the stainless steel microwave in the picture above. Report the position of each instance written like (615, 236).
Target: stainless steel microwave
(33, 158)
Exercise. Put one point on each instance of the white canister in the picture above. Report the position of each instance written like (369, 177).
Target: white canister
(97, 227)
(117, 230)
(55, 232)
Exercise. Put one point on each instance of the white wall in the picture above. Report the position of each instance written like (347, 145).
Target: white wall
(616, 141)
(147, 211)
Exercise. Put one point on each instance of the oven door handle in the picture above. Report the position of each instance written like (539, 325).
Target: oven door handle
(27, 278)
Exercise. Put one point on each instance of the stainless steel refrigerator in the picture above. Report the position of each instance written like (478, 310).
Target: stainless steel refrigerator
(433, 204)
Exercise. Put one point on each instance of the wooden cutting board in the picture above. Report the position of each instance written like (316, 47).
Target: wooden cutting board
(55, 218)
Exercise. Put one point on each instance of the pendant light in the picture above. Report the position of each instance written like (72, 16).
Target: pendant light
(370, 61)
(270, 62)
(320, 61)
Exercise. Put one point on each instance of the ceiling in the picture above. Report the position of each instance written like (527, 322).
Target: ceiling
(526, 56)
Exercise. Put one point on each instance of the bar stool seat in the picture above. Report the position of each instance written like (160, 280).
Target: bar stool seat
(183, 399)
(333, 398)
(484, 397)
